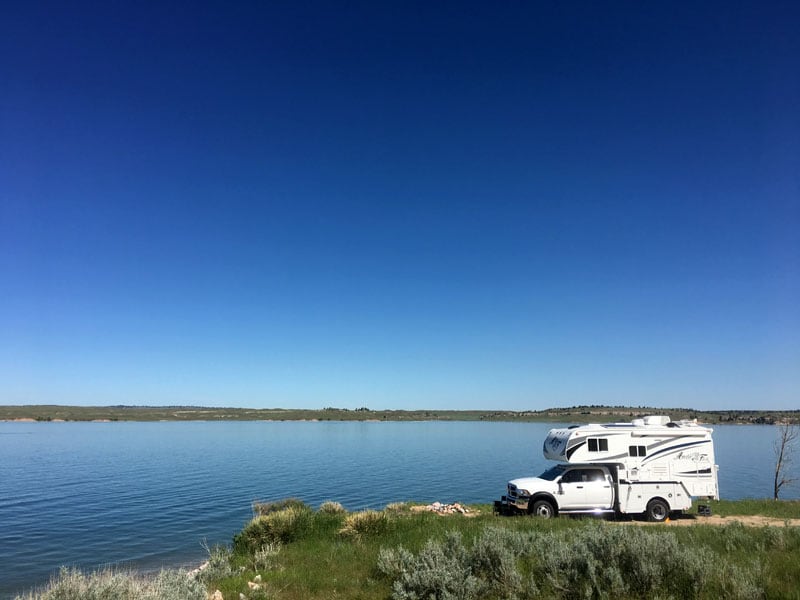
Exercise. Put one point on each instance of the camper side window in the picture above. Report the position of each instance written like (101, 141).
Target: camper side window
(637, 450)
(598, 444)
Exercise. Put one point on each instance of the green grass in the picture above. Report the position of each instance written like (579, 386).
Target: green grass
(779, 509)
(320, 562)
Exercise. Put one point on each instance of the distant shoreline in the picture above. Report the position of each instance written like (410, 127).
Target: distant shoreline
(577, 414)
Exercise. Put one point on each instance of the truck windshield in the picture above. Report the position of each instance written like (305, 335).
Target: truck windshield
(552, 473)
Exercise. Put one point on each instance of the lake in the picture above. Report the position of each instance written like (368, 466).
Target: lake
(147, 494)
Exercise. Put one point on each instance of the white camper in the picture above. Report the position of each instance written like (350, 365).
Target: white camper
(652, 465)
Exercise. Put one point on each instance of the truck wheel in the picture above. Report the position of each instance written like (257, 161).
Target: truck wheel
(657, 511)
(543, 509)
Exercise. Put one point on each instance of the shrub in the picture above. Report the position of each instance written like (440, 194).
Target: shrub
(218, 565)
(447, 569)
(624, 560)
(73, 584)
(738, 582)
(494, 559)
(284, 526)
(735, 536)
(265, 508)
(393, 562)
(591, 562)
(332, 508)
(264, 558)
(438, 572)
(174, 585)
(396, 507)
(365, 522)
(772, 538)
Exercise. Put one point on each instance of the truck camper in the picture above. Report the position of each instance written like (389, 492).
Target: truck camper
(651, 466)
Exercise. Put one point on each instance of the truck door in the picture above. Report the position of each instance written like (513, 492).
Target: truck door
(571, 493)
(599, 493)
(585, 488)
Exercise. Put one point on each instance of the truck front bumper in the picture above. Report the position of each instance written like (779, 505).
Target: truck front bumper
(510, 506)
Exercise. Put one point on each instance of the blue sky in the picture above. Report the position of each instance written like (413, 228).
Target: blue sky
(399, 205)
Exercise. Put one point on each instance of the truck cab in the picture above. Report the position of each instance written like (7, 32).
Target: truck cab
(565, 488)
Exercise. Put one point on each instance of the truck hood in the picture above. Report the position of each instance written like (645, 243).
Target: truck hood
(531, 484)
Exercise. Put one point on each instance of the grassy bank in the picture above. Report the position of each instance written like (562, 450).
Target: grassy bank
(404, 555)
(573, 414)
(783, 509)
(291, 552)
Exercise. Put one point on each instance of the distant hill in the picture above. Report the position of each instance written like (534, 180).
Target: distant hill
(576, 414)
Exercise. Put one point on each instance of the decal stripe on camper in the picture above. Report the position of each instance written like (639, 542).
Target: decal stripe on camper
(674, 449)
(571, 451)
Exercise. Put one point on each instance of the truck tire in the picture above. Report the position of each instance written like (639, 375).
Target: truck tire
(543, 509)
(657, 510)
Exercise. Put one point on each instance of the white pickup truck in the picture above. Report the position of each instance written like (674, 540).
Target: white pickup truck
(652, 466)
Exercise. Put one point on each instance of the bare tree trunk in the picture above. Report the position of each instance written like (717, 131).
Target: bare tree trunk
(784, 446)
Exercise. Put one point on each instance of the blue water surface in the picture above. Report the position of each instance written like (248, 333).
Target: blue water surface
(146, 495)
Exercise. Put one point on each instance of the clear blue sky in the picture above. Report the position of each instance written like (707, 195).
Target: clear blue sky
(400, 204)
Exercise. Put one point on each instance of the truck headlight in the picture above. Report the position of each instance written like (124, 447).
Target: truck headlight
(523, 492)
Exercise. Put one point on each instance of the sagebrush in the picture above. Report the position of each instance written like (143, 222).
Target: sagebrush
(73, 584)
(595, 561)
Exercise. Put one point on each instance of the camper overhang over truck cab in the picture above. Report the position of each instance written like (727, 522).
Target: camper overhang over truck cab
(651, 466)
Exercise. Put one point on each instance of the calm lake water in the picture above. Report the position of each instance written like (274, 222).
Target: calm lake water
(146, 494)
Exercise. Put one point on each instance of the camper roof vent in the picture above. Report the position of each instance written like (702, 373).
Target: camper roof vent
(656, 420)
